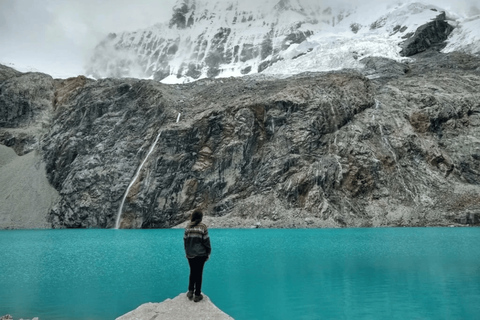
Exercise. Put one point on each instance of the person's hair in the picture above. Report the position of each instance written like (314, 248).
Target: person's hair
(197, 216)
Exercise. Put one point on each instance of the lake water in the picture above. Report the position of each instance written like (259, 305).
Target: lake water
(397, 273)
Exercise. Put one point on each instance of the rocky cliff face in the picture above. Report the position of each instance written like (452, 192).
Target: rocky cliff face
(395, 145)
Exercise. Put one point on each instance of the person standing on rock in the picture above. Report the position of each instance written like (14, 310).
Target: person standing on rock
(197, 250)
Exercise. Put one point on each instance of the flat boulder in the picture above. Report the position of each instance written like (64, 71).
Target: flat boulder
(177, 308)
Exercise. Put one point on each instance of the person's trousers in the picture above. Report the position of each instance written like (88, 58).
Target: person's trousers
(196, 274)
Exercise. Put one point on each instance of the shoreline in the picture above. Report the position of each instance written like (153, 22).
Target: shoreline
(253, 227)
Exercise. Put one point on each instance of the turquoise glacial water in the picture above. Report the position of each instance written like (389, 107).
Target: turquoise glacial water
(397, 273)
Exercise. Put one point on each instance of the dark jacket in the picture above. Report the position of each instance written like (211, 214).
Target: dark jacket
(196, 240)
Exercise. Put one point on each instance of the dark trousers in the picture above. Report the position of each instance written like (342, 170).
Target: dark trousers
(196, 274)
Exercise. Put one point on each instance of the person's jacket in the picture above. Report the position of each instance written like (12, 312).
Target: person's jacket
(196, 240)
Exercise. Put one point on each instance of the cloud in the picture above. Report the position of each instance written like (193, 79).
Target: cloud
(58, 36)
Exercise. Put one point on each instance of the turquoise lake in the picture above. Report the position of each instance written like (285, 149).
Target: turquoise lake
(384, 273)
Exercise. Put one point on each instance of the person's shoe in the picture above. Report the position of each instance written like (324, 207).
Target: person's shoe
(190, 295)
(198, 298)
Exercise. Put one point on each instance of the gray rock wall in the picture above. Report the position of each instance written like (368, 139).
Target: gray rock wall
(397, 148)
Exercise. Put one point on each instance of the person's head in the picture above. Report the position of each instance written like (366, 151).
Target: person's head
(197, 216)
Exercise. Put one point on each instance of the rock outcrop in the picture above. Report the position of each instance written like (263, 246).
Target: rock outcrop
(26, 195)
(395, 146)
(430, 35)
(177, 308)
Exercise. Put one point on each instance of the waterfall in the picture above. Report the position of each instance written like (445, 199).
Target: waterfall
(119, 214)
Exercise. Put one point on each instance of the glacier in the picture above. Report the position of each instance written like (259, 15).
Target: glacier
(219, 39)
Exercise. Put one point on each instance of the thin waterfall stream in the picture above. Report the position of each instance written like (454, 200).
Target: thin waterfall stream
(119, 214)
(120, 210)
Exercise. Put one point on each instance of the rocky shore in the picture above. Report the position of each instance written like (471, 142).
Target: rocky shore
(396, 144)
(9, 317)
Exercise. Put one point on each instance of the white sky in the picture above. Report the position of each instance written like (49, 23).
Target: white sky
(58, 36)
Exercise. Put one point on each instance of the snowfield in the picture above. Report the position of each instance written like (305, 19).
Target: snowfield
(466, 36)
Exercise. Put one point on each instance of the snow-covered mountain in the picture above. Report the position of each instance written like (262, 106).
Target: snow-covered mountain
(466, 36)
(221, 38)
